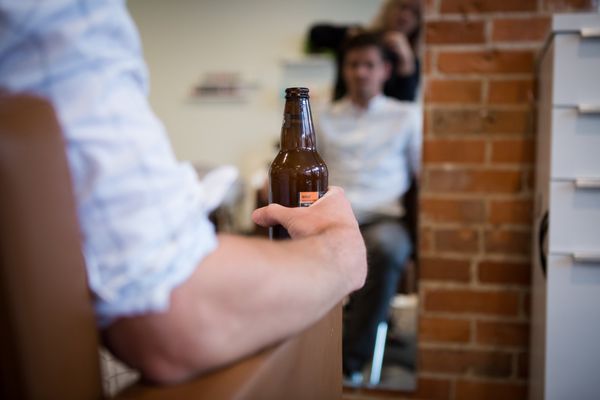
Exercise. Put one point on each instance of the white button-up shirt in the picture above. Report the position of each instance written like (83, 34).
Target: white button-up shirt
(143, 215)
(372, 153)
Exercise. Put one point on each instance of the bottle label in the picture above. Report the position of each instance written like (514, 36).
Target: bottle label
(305, 199)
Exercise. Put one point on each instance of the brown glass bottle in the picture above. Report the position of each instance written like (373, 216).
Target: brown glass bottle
(298, 175)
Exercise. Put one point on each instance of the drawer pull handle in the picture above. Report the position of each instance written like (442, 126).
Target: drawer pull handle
(586, 258)
(587, 183)
(588, 109)
(592, 32)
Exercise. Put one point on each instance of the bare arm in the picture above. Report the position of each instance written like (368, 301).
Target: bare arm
(249, 293)
(398, 43)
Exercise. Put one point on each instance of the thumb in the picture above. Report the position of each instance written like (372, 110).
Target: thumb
(273, 214)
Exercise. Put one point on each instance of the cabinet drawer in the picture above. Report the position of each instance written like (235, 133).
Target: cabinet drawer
(573, 329)
(576, 70)
(574, 218)
(575, 143)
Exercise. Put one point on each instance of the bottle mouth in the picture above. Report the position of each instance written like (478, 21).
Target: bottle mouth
(296, 92)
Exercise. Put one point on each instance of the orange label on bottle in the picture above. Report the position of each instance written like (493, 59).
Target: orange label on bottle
(307, 198)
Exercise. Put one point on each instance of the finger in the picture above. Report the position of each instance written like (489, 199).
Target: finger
(273, 214)
(333, 191)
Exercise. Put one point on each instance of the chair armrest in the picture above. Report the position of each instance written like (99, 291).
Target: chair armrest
(307, 366)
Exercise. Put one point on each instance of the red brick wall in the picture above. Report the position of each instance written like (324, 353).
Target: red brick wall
(477, 194)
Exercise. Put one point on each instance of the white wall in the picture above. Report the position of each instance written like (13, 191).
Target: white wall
(183, 39)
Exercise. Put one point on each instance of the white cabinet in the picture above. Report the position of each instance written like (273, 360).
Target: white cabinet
(565, 330)
(575, 142)
(574, 219)
(577, 68)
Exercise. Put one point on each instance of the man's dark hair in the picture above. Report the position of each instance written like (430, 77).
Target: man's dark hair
(365, 39)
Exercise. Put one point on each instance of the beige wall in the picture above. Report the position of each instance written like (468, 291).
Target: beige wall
(184, 38)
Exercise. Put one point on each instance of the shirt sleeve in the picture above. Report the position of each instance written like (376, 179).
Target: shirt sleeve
(143, 214)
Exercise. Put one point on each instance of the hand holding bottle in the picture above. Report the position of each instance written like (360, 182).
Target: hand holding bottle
(331, 211)
(298, 176)
(332, 221)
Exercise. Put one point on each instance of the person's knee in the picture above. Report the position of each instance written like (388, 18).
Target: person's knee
(389, 241)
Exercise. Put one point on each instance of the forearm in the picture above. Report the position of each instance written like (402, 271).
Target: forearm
(406, 66)
(285, 287)
(275, 290)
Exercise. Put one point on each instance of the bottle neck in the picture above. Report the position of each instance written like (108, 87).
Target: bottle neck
(297, 131)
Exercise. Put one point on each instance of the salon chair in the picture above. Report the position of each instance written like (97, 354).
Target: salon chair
(48, 337)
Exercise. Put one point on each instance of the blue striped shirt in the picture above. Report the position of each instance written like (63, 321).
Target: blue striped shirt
(143, 214)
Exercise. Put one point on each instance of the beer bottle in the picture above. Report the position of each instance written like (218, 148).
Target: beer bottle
(298, 175)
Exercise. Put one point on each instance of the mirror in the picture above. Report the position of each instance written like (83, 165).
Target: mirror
(218, 70)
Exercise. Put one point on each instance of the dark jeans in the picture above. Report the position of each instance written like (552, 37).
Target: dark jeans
(388, 248)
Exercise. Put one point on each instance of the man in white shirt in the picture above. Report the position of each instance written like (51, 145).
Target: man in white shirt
(372, 146)
(172, 298)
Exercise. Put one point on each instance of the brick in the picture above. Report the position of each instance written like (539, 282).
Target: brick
(529, 180)
(476, 362)
(569, 5)
(428, 60)
(451, 330)
(502, 333)
(513, 151)
(486, 62)
(454, 151)
(463, 240)
(520, 29)
(512, 211)
(472, 301)
(504, 272)
(452, 91)
(431, 388)
(523, 365)
(452, 210)
(471, 390)
(425, 240)
(486, 6)
(526, 304)
(444, 269)
(473, 181)
(454, 32)
(429, 7)
(473, 121)
(511, 91)
(507, 241)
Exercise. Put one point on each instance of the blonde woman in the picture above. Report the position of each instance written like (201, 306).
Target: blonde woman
(399, 23)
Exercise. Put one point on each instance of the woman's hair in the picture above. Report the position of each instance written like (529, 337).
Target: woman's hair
(379, 23)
